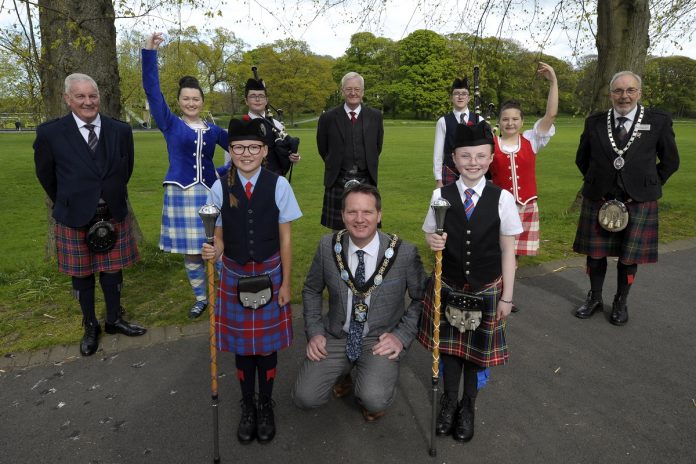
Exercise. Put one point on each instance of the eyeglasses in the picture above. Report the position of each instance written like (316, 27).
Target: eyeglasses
(629, 91)
(478, 158)
(352, 89)
(256, 97)
(460, 94)
(253, 149)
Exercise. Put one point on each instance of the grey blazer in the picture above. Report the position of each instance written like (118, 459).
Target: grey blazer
(386, 313)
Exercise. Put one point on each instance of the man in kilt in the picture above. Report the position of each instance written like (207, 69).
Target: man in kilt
(478, 259)
(625, 155)
(349, 140)
(84, 161)
(443, 167)
(368, 328)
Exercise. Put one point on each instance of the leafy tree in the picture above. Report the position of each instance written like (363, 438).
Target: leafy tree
(670, 83)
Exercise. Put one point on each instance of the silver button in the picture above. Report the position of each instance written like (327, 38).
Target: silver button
(468, 263)
(468, 253)
(468, 242)
(468, 232)
(466, 272)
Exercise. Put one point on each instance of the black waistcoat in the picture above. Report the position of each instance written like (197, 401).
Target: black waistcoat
(250, 231)
(355, 145)
(472, 254)
(450, 130)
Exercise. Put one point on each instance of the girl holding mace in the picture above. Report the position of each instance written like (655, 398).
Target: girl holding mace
(190, 145)
(478, 273)
(253, 236)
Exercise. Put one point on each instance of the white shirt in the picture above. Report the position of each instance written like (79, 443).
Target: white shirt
(84, 131)
(348, 110)
(629, 118)
(439, 146)
(370, 257)
(507, 210)
(537, 139)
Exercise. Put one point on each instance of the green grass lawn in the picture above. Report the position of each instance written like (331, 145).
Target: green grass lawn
(36, 308)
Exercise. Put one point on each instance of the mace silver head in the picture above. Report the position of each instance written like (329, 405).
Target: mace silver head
(351, 183)
(209, 215)
(440, 207)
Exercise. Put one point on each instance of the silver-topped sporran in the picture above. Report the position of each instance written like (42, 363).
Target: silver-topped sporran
(613, 216)
(101, 234)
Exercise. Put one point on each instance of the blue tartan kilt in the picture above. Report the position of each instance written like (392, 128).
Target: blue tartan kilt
(246, 331)
(182, 229)
(636, 244)
(486, 346)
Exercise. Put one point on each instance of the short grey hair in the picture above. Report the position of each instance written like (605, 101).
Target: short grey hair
(625, 73)
(77, 77)
(353, 75)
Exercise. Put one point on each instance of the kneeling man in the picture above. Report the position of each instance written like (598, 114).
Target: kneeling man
(368, 326)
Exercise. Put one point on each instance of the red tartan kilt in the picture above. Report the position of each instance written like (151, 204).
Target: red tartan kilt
(75, 258)
(636, 244)
(486, 346)
(246, 331)
(449, 175)
(527, 243)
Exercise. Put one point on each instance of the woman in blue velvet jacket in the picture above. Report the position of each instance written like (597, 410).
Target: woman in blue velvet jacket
(190, 145)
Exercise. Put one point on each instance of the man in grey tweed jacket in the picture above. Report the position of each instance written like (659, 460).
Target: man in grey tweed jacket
(391, 269)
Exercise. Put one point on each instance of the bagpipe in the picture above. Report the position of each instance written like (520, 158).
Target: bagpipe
(284, 143)
(490, 108)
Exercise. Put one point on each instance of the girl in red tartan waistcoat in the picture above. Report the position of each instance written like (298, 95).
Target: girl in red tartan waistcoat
(253, 238)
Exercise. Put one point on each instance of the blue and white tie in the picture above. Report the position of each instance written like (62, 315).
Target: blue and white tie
(355, 332)
(469, 202)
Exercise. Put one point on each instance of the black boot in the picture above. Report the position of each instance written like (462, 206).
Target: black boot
(445, 420)
(592, 303)
(90, 340)
(464, 428)
(265, 429)
(247, 423)
(619, 310)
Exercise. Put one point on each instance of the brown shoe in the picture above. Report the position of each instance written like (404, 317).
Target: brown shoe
(343, 387)
(371, 416)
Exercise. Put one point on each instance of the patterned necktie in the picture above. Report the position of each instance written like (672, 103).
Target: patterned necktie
(353, 118)
(621, 132)
(462, 120)
(247, 190)
(469, 203)
(355, 332)
(92, 139)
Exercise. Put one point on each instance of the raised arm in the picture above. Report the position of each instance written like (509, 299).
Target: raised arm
(549, 74)
(158, 106)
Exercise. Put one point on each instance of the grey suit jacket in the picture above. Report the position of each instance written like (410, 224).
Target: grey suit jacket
(386, 313)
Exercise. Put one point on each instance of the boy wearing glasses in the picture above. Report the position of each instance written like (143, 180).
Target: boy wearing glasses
(253, 237)
(443, 167)
(626, 155)
(478, 265)
(279, 158)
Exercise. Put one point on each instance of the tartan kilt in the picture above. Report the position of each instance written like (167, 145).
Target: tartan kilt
(76, 260)
(636, 244)
(527, 243)
(182, 229)
(331, 209)
(486, 346)
(246, 331)
(448, 175)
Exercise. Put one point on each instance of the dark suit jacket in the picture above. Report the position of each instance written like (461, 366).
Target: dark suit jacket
(650, 160)
(386, 313)
(72, 178)
(331, 141)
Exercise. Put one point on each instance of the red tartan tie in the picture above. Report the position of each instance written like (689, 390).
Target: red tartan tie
(247, 190)
(353, 118)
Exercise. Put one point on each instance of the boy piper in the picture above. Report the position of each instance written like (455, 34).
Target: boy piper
(253, 236)
(443, 168)
(478, 270)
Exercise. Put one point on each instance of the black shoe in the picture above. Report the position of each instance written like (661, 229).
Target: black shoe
(265, 428)
(90, 340)
(445, 420)
(197, 309)
(464, 428)
(246, 432)
(124, 327)
(592, 303)
(619, 311)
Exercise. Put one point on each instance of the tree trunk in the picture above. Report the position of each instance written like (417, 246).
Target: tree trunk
(78, 36)
(622, 43)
